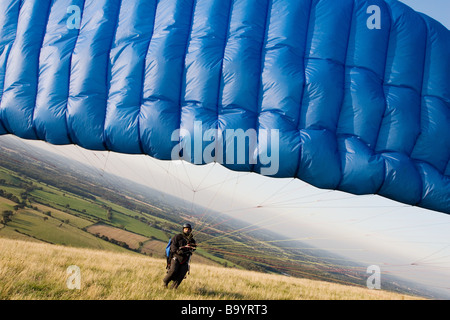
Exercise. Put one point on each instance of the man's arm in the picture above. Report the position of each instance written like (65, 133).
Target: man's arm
(174, 246)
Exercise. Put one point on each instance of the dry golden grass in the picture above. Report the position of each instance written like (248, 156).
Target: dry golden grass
(30, 270)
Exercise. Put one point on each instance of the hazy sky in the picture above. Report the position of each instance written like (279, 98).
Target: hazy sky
(437, 9)
(402, 240)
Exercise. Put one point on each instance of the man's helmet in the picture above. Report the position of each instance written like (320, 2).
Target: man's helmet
(187, 233)
(187, 225)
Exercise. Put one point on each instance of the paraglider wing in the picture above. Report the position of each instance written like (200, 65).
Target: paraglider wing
(352, 95)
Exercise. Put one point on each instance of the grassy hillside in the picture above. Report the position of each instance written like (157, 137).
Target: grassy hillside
(30, 270)
(48, 206)
(56, 201)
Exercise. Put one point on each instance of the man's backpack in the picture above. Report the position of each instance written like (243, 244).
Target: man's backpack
(168, 248)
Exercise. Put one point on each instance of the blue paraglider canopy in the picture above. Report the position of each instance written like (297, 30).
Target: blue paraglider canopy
(352, 95)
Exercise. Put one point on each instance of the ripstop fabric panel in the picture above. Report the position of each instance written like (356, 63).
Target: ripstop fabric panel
(128, 62)
(9, 16)
(22, 68)
(54, 75)
(352, 95)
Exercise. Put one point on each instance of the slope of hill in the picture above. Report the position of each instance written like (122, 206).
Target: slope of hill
(47, 198)
(40, 271)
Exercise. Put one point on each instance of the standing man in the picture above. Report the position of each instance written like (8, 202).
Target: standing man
(181, 248)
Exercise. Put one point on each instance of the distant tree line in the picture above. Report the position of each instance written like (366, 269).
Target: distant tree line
(6, 216)
(9, 196)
